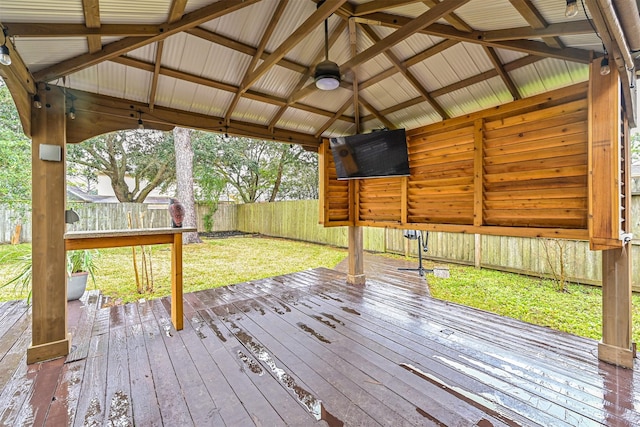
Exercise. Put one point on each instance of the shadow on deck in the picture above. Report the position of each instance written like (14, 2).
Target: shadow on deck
(305, 349)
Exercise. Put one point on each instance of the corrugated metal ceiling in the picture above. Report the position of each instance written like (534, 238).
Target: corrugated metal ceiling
(221, 51)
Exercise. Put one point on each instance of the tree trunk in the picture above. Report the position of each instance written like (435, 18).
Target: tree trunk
(184, 181)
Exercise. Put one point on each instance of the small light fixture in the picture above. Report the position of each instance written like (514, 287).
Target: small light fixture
(72, 111)
(36, 101)
(605, 69)
(140, 123)
(5, 59)
(572, 8)
(327, 75)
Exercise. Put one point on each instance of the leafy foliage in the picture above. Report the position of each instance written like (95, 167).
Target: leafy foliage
(146, 156)
(254, 170)
(15, 154)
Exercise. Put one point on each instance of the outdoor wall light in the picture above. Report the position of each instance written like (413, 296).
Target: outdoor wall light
(604, 66)
(5, 59)
(572, 8)
(36, 101)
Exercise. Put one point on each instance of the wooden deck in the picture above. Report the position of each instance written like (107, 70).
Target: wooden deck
(306, 349)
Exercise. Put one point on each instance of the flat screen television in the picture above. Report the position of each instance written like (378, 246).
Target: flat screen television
(371, 155)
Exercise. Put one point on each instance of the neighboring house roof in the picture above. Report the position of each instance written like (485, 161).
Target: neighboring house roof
(76, 194)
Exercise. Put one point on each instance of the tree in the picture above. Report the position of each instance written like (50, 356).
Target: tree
(144, 155)
(15, 154)
(184, 180)
(257, 170)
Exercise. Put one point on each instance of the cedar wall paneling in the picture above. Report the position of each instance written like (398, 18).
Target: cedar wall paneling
(518, 169)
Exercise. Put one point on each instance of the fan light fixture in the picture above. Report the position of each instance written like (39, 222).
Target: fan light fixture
(572, 8)
(327, 75)
(5, 59)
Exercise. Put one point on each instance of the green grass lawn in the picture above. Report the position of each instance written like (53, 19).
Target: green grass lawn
(219, 262)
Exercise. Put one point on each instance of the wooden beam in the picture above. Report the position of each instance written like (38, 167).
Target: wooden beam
(616, 346)
(323, 12)
(378, 5)
(249, 94)
(124, 113)
(333, 119)
(386, 122)
(448, 32)
(536, 20)
(407, 74)
(91, 9)
(175, 13)
(478, 173)
(353, 45)
(307, 75)
(506, 79)
(49, 337)
(453, 19)
(411, 26)
(120, 47)
(275, 18)
(53, 30)
(604, 160)
(244, 48)
(561, 29)
(356, 275)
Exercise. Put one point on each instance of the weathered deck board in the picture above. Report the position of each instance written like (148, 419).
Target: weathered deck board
(293, 349)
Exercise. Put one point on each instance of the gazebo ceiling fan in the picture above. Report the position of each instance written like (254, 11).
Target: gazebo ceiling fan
(327, 75)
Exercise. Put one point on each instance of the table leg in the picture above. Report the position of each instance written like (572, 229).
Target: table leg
(176, 282)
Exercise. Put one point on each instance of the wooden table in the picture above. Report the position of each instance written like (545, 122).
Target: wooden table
(136, 237)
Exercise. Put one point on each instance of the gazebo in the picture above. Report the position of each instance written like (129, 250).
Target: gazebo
(517, 112)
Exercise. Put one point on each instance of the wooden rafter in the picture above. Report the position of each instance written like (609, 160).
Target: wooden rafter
(377, 114)
(277, 14)
(306, 75)
(103, 107)
(535, 19)
(175, 13)
(378, 5)
(335, 117)
(453, 19)
(249, 94)
(410, 26)
(448, 32)
(407, 74)
(53, 30)
(128, 44)
(353, 44)
(91, 9)
(316, 18)
(506, 79)
(561, 29)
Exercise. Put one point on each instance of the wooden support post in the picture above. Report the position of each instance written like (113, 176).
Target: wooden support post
(176, 282)
(477, 253)
(49, 337)
(616, 346)
(356, 257)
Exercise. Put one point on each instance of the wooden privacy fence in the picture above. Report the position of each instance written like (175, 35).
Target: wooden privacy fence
(298, 220)
(114, 216)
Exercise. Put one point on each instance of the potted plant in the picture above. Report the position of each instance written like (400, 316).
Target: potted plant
(80, 264)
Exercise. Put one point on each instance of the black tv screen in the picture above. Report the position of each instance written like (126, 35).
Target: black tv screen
(371, 155)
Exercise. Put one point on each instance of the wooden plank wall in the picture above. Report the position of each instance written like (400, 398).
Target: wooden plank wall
(518, 170)
(335, 207)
